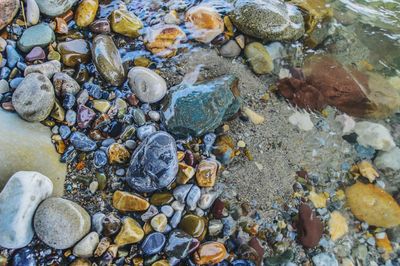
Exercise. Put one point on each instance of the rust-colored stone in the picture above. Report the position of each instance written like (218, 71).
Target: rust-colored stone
(125, 201)
(309, 227)
(210, 253)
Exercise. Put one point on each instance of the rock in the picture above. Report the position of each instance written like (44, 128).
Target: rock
(178, 244)
(74, 52)
(100, 26)
(347, 122)
(85, 116)
(81, 142)
(193, 197)
(4, 87)
(130, 233)
(125, 23)
(230, 49)
(32, 12)
(193, 225)
(325, 259)
(374, 135)
(164, 40)
(34, 98)
(8, 10)
(108, 60)
(86, 12)
(61, 223)
(310, 227)
(318, 200)
(159, 222)
(204, 23)
(167, 210)
(81, 262)
(206, 173)
(64, 84)
(54, 8)
(48, 69)
(38, 35)
(145, 131)
(337, 225)
(154, 164)
(181, 192)
(373, 205)
(124, 201)
(153, 243)
(147, 85)
(37, 53)
(86, 247)
(159, 199)
(254, 117)
(12, 56)
(317, 12)
(259, 58)
(111, 224)
(269, 21)
(208, 103)
(18, 201)
(389, 159)
(215, 227)
(24, 257)
(210, 253)
(117, 153)
(302, 120)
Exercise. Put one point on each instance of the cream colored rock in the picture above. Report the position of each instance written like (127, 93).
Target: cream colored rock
(148, 86)
(253, 116)
(337, 225)
(32, 12)
(374, 135)
(302, 120)
(86, 247)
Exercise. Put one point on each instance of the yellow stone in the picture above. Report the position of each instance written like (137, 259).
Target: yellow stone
(253, 116)
(185, 173)
(58, 112)
(125, 23)
(367, 170)
(130, 233)
(117, 153)
(164, 40)
(373, 205)
(125, 201)
(142, 61)
(181, 156)
(160, 263)
(86, 12)
(101, 105)
(319, 200)
(337, 225)
(206, 173)
(81, 262)
(229, 26)
(315, 11)
(384, 243)
(138, 261)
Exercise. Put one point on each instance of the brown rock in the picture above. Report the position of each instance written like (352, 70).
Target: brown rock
(125, 201)
(210, 253)
(164, 40)
(117, 153)
(8, 10)
(206, 173)
(309, 227)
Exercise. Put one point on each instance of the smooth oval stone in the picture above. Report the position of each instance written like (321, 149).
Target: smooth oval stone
(130, 233)
(193, 225)
(100, 26)
(167, 210)
(154, 164)
(55, 8)
(153, 243)
(125, 23)
(64, 84)
(178, 244)
(259, 58)
(38, 35)
(111, 224)
(181, 192)
(86, 12)
(74, 52)
(230, 49)
(125, 201)
(12, 56)
(86, 247)
(8, 10)
(100, 159)
(147, 85)
(82, 142)
(108, 60)
(37, 53)
(159, 222)
(145, 131)
(85, 116)
(48, 69)
(24, 257)
(200, 108)
(161, 198)
(210, 253)
(18, 201)
(32, 12)
(34, 98)
(61, 223)
(193, 197)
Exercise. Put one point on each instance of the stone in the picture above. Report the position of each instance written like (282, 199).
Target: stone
(206, 173)
(373, 205)
(107, 60)
(64, 84)
(4, 87)
(34, 98)
(374, 135)
(318, 199)
(74, 52)
(81, 262)
(8, 10)
(193, 197)
(124, 201)
(145, 131)
(153, 243)
(164, 40)
(131, 233)
(101, 105)
(37, 53)
(208, 103)
(388, 159)
(259, 58)
(38, 35)
(150, 213)
(61, 223)
(215, 227)
(162, 198)
(204, 23)
(317, 12)
(12, 56)
(185, 173)
(111, 224)
(154, 163)
(230, 49)
(207, 199)
(325, 259)
(178, 244)
(32, 12)
(18, 201)
(210, 253)
(180, 192)
(125, 23)
(193, 225)
(48, 69)
(337, 225)
(54, 8)
(100, 26)
(117, 153)
(159, 222)
(85, 116)
(309, 227)
(86, 12)
(167, 210)
(147, 85)
(82, 142)
(269, 21)
(301, 120)
(86, 247)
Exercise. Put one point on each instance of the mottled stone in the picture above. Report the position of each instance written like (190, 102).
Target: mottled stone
(85, 116)
(8, 10)
(206, 173)
(130, 233)
(153, 243)
(124, 201)
(125, 23)
(117, 153)
(161, 198)
(178, 244)
(210, 253)
(100, 26)
(82, 142)
(48, 69)
(55, 8)
(74, 52)
(159, 222)
(111, 224)
(86, 12)
(310, 227)
(38, 35)
(164, 40)
(64, 84)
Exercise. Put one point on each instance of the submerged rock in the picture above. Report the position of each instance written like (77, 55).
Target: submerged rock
(200, 108)
(18, 202)
(389, 159)
(310, 227)
(164, 40)
(258, 58)
(374, 135)
(126, 23)
(268, 20)
(8, 10)
(74, 52)
(154, 164)
(55, 8)
(108, 60)
(38, 35)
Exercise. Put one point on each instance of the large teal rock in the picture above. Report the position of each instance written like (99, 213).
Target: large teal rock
(38, 35)
(200, 108)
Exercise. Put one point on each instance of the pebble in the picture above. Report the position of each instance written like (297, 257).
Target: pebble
(302, 120)
(32, 12)
(64, 84)
(37, 53)
(164, 40)
(206, 173)
(163, 166)
(215, 227)
(97, 221)
(8, 10)
(54, 8)
(259, 58)
(99, 159)
(48, 69)
(111, 224)
(388, 160)
(374, 135)
(86, 247)
(193, 197)
(150, 213)
(118, 154)
(325, 259)
(159, 222)
(61, 223)
(153, 243)
(86, 12)
(230, 49)
(337, 225)
(144, 131)
(147, 85)
(178, 244)
(161, 198)
(310, 227)
(193, 225)
(176, 218)
(24, 257)
(34, 98)
(124, 201)
(125, 23)
(100, 26)
(207, 199)
(85, 116)
(4, 87)
(131, 232)
(167, 210)
(38, 35)
(74, 52)
(12, 56)
(82, 143)
(210, 253)
(18, 201)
